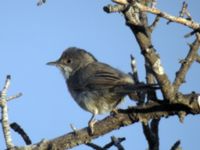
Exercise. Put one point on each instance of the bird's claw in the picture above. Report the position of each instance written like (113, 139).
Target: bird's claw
(114, 112)
(91, 126)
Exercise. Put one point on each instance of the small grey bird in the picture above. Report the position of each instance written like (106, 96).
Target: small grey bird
(95, 86)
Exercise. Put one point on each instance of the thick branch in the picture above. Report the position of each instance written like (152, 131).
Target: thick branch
(110, 123)
(143, 37)
(191, 57)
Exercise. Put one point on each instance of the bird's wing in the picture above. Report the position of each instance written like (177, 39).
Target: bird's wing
(102, 76)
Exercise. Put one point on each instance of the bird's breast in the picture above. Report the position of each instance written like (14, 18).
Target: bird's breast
(97, 102)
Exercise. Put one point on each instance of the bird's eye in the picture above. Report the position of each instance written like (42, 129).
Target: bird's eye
(69, 61)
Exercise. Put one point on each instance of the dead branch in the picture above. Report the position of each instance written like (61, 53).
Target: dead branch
(114, 142)
(176, 146)
(154, 24)
(21, 132)
(151, 134)
(4, 112)
(143, 35)
(190, 58)
(197, 58)
(123, 118)
(192, 24)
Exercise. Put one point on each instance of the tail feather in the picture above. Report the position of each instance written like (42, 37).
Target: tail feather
(130, 88)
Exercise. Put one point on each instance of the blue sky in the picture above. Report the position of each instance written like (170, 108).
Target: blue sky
(30, 36)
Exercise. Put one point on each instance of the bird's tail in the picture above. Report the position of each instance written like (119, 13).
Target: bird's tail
(131, 88)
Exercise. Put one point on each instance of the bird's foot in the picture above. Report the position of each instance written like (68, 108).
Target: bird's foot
(114, 112)
(91, 126)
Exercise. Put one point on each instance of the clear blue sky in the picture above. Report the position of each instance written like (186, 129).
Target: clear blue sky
(30, 36)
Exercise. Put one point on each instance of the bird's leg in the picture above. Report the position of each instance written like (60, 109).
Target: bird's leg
(91, 123)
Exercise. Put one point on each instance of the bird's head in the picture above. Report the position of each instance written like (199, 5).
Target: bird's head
(71, 60)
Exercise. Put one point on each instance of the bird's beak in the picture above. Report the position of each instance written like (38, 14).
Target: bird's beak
(53, 63)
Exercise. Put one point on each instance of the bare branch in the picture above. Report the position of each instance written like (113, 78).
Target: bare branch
(94, 146)
(191, 24)
(114, 142)
(184, 11)
(151, 130)
(117, 142)
(143, 37)
(14, 96)
(115, 8)
(21, 132)
(40, 2)
(121, 2)
(121, 119)
(154, 24)
(4, 112)
(190, 58)
(151, 134)
(180, 20)
(191, 33)
(139, 95)
(134, 69)
(176, 145)
(197, 58)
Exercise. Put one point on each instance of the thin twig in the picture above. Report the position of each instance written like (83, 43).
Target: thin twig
(154, 24)
(115, 8)
(14, 96)
(115, 141)
(190, 58)
(138, 96)
(184, 11)
(151, 133)
(134, 69)
(21, 132)
(4, 112)
(94, 146)
(121, 2)
(40, 2)
(190, 23)
(191, 33)
(176, 145)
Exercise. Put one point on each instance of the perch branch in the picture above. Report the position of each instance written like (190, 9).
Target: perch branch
(123, 118)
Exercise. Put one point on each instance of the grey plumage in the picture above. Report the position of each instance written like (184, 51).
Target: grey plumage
(92, 83)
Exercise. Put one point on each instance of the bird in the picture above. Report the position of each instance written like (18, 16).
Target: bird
(95, 86)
